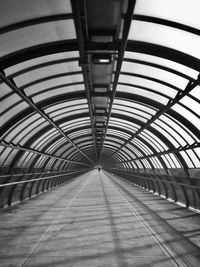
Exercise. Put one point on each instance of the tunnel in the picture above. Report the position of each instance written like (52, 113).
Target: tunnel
(99, 133)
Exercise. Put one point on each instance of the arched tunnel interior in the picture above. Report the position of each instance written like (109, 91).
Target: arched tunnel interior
(109, 83)
(100, 84)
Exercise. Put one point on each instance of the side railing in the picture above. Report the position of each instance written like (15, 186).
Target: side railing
(182, 190)
(18, 187)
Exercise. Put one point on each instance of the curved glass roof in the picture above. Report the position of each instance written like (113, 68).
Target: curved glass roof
(78, 89)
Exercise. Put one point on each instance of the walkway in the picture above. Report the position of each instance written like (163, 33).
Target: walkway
(98, 220)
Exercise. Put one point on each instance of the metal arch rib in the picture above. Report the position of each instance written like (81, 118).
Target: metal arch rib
(2, 143)
(30, 103)
(180, 95)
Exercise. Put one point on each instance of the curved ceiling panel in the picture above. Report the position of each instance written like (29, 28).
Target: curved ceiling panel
(79, 89)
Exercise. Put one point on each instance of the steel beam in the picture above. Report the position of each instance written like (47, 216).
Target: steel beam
(168, 23)
(121, 51)
(38, 110)
(35, 21)
(178, 97)
(72, 45)
(83, 63)
(175, 150)
(19, 147)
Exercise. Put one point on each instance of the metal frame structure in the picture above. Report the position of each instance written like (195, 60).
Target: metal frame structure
(111, 83)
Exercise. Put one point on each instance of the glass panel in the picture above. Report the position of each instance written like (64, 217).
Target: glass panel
(73, 126)
(117, 140)
(50, 163)
(118, 125)
(195, 160)
(181, 11)
(126, 154)
(21, 160)
(33, 132)
(46, 72)
(4, 90)
(141, 92)
(131, 110)
(191, 104)
(187, 159)
(156, 73)
(140, 83)
(61, 85)
(27, 159)
(12, 112)
(148, 164)
(166, 161)
(45, 136)
(134, 165)
(197, 150)
(145, 163)
(69, 153)
(111, 143)
(81, 139)
(149, 140)
(5, 154)
(32, 158)
(153, 162)
(132, 115)
(39, 162)
(171, 131)
(195, 92)
(85, 144)
(79, 133)
(129, 154)
(65, 105)
(172, 165)
(175, 160)
(139, 164)
(81, 112)
(165, 36)
(87, 147)
(56, 144)
(158, 163)
(121, 123)
(23, 10)
(67, 110)
(165, 134)
(179, 128)
(60, 151)
(37, 34)
(9, 102)
(20, 126)
(147, 150)
(156, 140)
(18, 133)
(187, 114)
(52, 93)
(43, 143)
(163, 62)
(137, 152)
(21, 137)
(75, 121)
(1, 150)
(118, 133)
(40, 60)
(134, 105)
(62, 145)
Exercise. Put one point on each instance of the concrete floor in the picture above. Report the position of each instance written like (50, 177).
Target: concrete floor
(99, 220)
